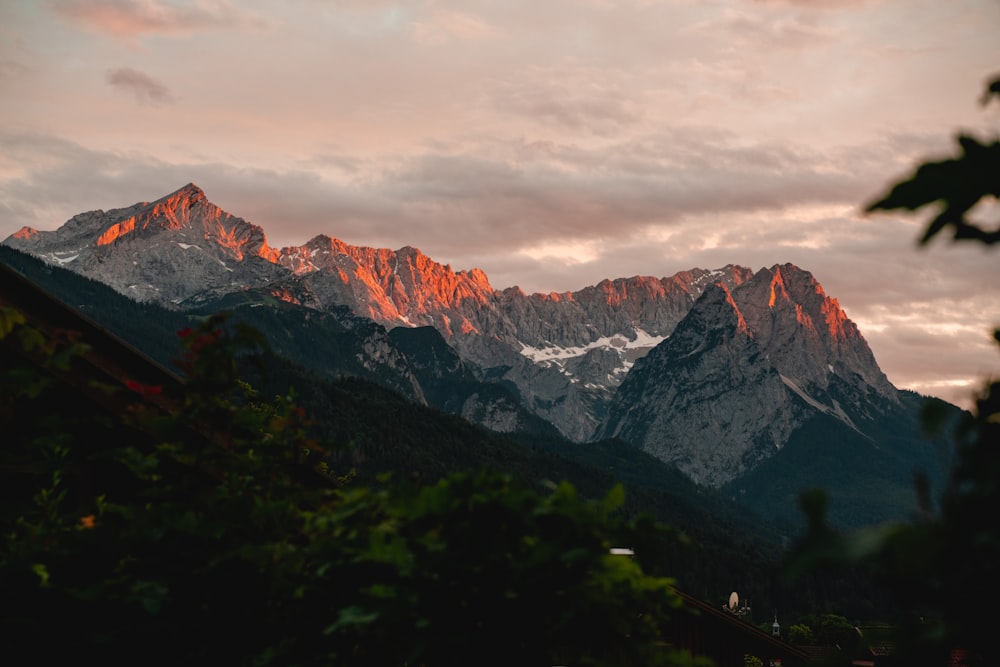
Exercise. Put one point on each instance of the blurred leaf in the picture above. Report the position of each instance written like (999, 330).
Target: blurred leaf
(350, 616)
(9, 319)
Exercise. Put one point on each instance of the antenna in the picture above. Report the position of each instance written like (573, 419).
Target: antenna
(734, 600)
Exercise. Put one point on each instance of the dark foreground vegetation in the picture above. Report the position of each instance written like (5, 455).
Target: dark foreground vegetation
(199, 523)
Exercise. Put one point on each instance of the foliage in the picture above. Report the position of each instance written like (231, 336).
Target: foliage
(956, 185)
(932, 566)
(800, 633)
(212, 532)
(830, 629)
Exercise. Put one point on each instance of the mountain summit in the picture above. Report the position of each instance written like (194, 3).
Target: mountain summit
(162, 251)
(743, 371)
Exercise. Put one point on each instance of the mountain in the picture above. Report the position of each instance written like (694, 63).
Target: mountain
(564, 354)
(714, 371)
(767, 389)
(742, 372)
(162, 251)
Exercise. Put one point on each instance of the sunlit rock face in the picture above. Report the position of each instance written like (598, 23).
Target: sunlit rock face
(744, 369)
(575, 348)
(163, 251)
(393, 287)
(807, 334)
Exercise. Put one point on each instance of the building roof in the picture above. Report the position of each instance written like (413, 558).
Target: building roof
(105, 359)
(728, 627)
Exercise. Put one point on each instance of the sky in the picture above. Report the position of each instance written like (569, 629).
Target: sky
(551, 143)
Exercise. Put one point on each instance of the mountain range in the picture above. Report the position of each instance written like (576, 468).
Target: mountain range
(755, 383)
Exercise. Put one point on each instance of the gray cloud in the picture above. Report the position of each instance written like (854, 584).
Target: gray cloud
(818, 4)
(746, 29)
(549, 193)
(11, 68)
(569, 99)
(521, 196)
(143, 87)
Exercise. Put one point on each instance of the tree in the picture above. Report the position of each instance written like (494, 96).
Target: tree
(800, 633)
(214, 532)
(936, 566)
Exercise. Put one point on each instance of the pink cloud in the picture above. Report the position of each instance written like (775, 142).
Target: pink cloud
(443, 26)
(131, 18)
(818, 4)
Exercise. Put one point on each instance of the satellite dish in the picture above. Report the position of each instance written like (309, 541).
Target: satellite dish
(734, 600)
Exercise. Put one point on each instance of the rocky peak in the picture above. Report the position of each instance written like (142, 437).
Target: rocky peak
(188, 212)
(714, 313)
(401, 287)
(173, 211)
(706, 400)
(25, 234)
(183, 198)
(806, 333)
(168, 250)
(745, 368)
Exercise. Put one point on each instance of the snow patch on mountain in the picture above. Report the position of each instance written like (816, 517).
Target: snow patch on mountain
(834, 411)
(708, 278)
(64, 257)
(620, 342)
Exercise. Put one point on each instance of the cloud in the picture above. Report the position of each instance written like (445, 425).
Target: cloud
(443, 25)
(128, 19)
(509, 196)
(564, 98)
(10, 69)
(817, 4)
(146, 89)
(48, 179)
(530, 194)
(504, 196)
(756, 31)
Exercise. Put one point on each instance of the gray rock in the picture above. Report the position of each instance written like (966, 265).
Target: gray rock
(743, 370)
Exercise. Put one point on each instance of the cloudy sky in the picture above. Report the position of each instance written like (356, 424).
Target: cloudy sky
(552, 143)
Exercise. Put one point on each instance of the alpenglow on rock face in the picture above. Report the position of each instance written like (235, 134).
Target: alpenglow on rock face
(736, 358)
(162, 251)
(743, 370)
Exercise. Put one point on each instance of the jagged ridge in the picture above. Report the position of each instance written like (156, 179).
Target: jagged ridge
(565, 353)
